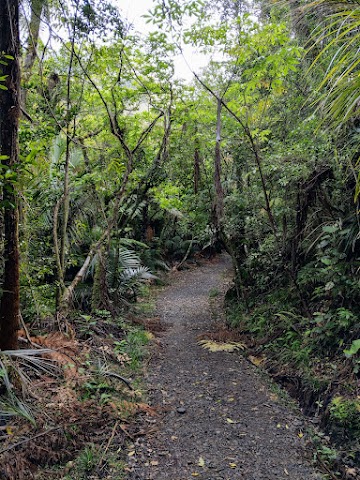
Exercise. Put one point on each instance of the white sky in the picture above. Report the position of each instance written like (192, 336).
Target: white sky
(134, 9)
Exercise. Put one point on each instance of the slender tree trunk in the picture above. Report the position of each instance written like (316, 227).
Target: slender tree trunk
(36, 7)
(161, 157)
(9, 151)
(66, 210)
(263, 184)
(33, 38)
(196, 166)
(254, 149)
(100, 298)
(70, 134)
(219, 193)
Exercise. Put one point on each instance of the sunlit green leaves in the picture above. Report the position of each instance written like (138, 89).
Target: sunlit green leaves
(337, 40)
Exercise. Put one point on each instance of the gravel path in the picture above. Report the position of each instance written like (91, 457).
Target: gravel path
(221, 421)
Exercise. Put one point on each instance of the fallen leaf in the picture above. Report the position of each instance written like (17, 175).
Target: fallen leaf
(300, 434)
(201, 462)
(286, 472)
(257, 361)
(131, 454)
(351, 472)
(221, 346)
(229, 420)
(149, 335)
(154, 463)
(195, 474)
(232, 465)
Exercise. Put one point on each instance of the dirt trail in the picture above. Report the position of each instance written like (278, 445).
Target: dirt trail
(220, 419)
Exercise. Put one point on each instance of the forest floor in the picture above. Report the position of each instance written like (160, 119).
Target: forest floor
(218, 416)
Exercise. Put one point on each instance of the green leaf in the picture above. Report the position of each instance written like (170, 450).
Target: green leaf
(354, 348)
(2, 87)
(326, 261)
(330, 228)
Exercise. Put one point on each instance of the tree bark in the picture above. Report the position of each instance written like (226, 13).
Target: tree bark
(219, 193)
(37, 7)
(9, 151)
(196, 167)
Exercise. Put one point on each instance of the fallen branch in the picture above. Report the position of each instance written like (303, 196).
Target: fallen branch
(26, 440)
(126, 381)
(188, 251)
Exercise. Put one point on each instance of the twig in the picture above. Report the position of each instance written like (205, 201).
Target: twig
(27, 334)
(127, 433)
(125, 380)
(328, 471)
(109, 442)
(30, 439)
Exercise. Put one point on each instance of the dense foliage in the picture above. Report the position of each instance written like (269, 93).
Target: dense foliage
(125, 169)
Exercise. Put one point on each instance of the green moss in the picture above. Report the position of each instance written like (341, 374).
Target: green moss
(345, 414)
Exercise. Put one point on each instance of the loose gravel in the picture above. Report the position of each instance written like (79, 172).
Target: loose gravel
(219, 417)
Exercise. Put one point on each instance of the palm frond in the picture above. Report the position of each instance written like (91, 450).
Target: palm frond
(138, 274)
(19, 362)
(27, 359)
(128, 259)
(12, 406)
(339, 41)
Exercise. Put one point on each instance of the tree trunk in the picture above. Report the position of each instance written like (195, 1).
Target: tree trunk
(196, 167)
(100, 297)
(70, 134)
(9, 151)
(36, 7)
(33, 38)
(219, 194)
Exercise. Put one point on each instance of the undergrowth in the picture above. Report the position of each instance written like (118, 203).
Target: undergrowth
(314, 357)
(79, 400)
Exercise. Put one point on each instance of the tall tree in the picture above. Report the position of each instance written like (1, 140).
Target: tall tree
(219, 194)
(37, 7)
(9, 156)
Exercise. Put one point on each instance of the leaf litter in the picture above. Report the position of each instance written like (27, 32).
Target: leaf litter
(76, 409)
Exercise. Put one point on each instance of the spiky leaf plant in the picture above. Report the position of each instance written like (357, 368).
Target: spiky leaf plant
(18, 364)
(128, 273)
(337, 40)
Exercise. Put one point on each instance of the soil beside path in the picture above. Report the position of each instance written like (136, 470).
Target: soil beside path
(220, 419)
